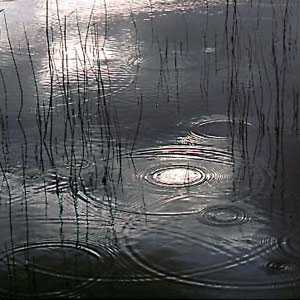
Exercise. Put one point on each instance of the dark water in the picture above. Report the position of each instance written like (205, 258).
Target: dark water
(149, 149)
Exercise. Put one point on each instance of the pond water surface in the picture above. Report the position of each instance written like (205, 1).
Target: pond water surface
(150, 149)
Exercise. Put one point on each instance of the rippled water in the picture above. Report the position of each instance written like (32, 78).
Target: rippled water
(149, 149)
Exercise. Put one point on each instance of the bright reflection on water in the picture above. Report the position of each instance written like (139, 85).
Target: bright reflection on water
(176, 176)
(149, 147)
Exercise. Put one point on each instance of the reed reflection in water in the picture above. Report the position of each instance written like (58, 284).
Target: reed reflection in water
(149, 149)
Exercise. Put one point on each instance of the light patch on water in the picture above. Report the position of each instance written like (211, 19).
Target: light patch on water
(124, 7)
(114, 65)
(176, 176)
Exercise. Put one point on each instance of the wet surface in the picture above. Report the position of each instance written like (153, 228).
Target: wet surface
(149, 149)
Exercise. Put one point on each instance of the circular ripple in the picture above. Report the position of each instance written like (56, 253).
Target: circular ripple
(217, 129)
(176, 176)
(181, 205)
(58, 268)
(213, 129)
(175, 165)
(184, 252)
(149, 178)
(223, 215)
(57, 259)
(215, 257)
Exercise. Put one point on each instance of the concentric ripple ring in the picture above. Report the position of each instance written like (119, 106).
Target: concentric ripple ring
(220, 215)
(216, 129)
(48, 261)
(176, 176)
